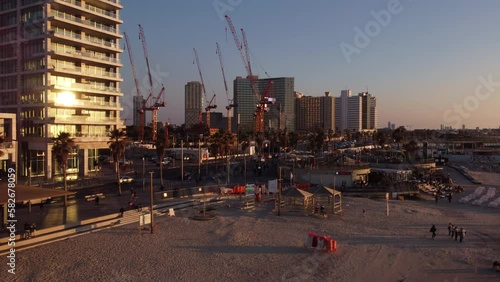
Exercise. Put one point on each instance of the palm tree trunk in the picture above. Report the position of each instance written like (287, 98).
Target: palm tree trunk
(161, 173)
(118, 176)
(65, 187)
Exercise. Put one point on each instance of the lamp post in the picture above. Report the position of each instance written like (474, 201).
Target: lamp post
(280, 180)
(143, 174)
(29, 173)
(151, 199)
(182, 160)
(199, 155)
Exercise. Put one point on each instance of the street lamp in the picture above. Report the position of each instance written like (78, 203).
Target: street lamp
(151, 198)
(143, 174)
(199, 155)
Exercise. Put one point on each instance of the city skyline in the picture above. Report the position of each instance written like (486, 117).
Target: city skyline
(417, 57)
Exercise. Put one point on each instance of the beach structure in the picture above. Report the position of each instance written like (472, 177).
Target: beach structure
(328, 197)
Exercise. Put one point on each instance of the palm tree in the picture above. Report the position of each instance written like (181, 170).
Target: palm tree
(399, 135)
(410, 147)
(63, 146)
(162, 144)
(117, 144)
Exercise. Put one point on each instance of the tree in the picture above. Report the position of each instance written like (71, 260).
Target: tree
(162, 144)
(63, 146)
(380, 138)
(117, 144)
(410, 147)
(399, 135)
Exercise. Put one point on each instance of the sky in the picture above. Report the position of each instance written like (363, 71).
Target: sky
(427, 62)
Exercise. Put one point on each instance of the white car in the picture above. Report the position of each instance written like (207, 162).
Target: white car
(126, 179)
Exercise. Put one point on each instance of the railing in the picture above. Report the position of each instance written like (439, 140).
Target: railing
(92, 40)
(85, 87)
(85, 54)
(91, 8)
(88, 71)
(88, 103)
(59, 14)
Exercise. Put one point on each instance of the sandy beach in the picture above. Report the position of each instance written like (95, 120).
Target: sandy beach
(260, 246)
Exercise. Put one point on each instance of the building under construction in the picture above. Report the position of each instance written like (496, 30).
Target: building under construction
(280, 114)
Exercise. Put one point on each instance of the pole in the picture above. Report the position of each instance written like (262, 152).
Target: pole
(228, 167)
(29, 173)
(199, 158)
(143, 174)
(245, 166)
(151, 199)
(279, 191)
(387, 203)
(182, 160)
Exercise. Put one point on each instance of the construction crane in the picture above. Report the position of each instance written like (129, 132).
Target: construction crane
(210, 104)
(261, 102)
(230, 102)
(137, 88)
(152, 103)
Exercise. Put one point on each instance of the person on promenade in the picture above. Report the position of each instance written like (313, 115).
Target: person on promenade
(449, 197)
(32, 230)
(437, 197)
(433, 231)
(450, 227)
(97, 201)
(456, 233)
(452, 231)
(461, 234)
(122, 210)
(27, 228)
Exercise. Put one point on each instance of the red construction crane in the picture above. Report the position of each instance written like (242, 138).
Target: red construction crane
(210, 104)
(137, 88)
(152, 103)
(230, 102)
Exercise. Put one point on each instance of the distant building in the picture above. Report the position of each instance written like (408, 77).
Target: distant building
(356, 113)
(9, 145)
(138, 103)
(313, 113)
(369, 111)
(282, 113)
(193, 103)
(327, 112)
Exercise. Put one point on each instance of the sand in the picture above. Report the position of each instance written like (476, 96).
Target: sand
(260, 246)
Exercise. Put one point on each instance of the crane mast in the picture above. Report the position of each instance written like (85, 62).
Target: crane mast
(210, 104)
(230, 102)
(137, 88)
(151, 106)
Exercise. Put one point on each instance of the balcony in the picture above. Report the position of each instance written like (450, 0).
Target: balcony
(87, 104)
(92, 9)
(88, 55)
(90, 88)
(82, 119)
(89, 40)
(88, 72)
(86, 23)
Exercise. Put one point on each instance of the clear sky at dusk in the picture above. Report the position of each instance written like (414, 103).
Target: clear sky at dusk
(429, 64)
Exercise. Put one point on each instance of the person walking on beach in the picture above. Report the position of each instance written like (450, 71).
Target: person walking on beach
(452, 231)
(122, 210)
(461, 234)
(97, 201)
(437, 197)
(450, 227)
(456, 233)
(433, 231)
(449, 197)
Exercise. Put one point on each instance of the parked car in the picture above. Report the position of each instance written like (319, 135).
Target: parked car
(126, 179)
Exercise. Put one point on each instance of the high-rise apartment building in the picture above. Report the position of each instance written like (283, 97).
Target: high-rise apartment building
(59, 72)
(193, 103)
(327, 112)
(282, 113)
(307, 113)
(356, 113)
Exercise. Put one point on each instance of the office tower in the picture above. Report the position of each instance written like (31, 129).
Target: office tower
(193, 103)
(59, 63)
(138, 103)
(369, 111)
(282, 113)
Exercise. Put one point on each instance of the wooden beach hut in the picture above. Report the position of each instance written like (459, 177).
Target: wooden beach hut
(329, 197)
(296, 199)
